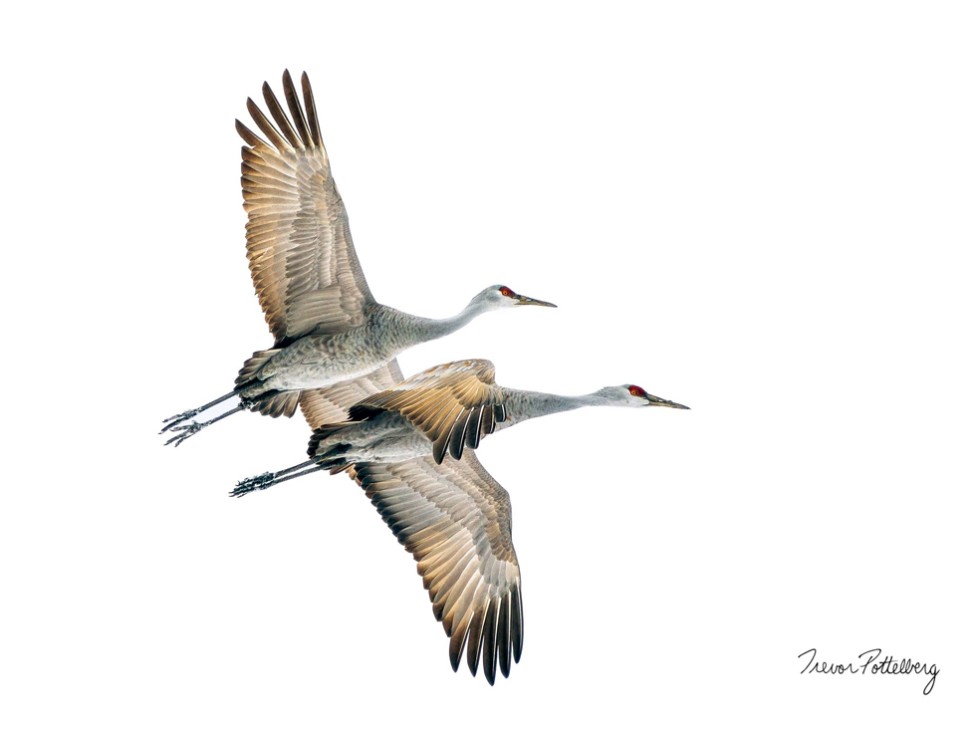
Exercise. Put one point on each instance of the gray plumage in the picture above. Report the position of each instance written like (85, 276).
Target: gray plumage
(449, 513)
(437, 412)
(327, 326)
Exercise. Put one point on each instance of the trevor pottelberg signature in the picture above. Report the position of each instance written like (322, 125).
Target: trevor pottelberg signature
(869, 664)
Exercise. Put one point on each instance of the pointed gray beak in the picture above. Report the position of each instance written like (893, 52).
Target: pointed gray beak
(653, 400)
(519, 299)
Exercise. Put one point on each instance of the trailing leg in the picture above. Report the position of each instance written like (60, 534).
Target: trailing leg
(183, 431)
(186, 415)
(269, 479)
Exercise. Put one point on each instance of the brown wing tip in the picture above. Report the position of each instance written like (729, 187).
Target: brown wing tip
(246, 134)
(440, 449)
(489, 637)
(505, 635)
(297, 115)
(517, 623)
(454, 653)
(313, 115)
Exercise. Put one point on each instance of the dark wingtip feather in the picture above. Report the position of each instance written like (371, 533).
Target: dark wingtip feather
(279, 115)
(472, 428)
(247, 135)
(517, 620)
(456, 649)
(265, 125)
(497, 416)
(291, 96)
(457, 439)
(313, 115)
(439, 449)
(487, 420)
(474, 641)
(505, 635)
(490, 650)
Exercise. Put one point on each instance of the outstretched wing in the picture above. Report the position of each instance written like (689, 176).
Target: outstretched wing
(331, 404)
(454, 404)
(302, 260)
(456, 520)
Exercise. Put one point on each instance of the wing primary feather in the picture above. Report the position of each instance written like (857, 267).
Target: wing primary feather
(457, 646)
(472, 428)
(517, 621)
(458, 435)
(487, 420)
(313, 115)
(291, 96)
(266, 126)
(440, 447)
(490, 649)
(500, 414)
(505, 635)
(250, 137)
(279, 115)
(474, 640)
(450, 437)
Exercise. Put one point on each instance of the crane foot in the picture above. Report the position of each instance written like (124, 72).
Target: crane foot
(183, 432)
(261, 481)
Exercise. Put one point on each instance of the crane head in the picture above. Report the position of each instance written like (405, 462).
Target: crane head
(636, 397)
(499, 296)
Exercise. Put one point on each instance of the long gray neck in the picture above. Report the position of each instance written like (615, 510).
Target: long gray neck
(407, 330)
(521, 405)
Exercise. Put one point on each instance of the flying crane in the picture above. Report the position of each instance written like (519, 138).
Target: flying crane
(327, 326)
(452, 516)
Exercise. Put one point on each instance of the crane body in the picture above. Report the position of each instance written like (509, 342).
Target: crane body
(437, 412)
(328, 328)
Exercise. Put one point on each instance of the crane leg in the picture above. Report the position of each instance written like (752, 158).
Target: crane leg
(269, 479)
(183, 431)
(186, 415)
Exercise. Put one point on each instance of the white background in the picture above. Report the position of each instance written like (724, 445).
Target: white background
(765, 212)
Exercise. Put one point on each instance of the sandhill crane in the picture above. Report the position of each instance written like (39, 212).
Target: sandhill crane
(452, 516)
(440, 410)
(327, 326)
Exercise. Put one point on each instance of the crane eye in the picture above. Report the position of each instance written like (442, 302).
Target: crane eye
(638, 391)
(506, 292)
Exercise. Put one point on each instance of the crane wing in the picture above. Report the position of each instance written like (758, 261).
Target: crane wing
(454, 404)
(300, 251)
(456, 520)
(331, 405)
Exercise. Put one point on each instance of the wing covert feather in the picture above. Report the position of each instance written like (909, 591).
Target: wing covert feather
(331, 404)
(447, 402)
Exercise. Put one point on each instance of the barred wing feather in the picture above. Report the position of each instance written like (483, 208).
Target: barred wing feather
(456, 520)
(454, 404)
(303, 264)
